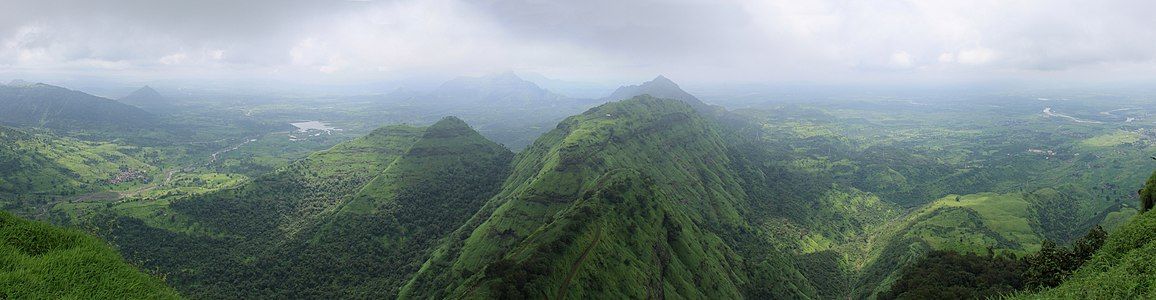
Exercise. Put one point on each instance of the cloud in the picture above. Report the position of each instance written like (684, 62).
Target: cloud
(724, 40)
(901, 60)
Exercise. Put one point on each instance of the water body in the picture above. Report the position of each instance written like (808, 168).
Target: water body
(313, 125)
(1048, 111)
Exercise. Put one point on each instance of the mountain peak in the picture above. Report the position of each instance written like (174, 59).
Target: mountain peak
(19, 83)
(145, 92)
(449, 127)
(506, 75)
(450, 122)
(660, 87)
(501, 89)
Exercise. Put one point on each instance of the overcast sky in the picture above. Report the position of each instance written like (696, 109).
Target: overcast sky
(835, 41)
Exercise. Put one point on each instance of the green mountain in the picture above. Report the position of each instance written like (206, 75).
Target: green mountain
(35, 168)
(39, 261)
(352, 221)
(1123, 268)
(1011, 223)
(42, 105)
(632, 199)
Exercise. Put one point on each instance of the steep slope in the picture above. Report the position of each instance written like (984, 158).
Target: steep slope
(660, 87)
(42, 105)
(283, 202)
(1016, 223)
(352, 221)
(384, 232)
(147, 98)
(1124, 268)
(631, 199)
(39, 261)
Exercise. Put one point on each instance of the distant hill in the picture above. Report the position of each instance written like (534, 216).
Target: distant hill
(42, 105)
(573, 89)
(41, 261)
(147, 98)
(503, 107)
(497, 90)
(19, 83)
(660, 87)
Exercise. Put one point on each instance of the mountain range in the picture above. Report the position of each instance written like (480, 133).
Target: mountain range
(42, 105)
(651, 194)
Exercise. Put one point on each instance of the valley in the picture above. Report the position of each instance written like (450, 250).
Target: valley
(782, 199)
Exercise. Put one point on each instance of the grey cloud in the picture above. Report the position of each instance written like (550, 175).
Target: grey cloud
(755, 40)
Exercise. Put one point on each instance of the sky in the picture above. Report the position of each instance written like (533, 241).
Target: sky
(704, 42)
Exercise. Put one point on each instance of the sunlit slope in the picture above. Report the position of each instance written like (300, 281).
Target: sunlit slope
(1124, 268)
(285, 201)
(978, 223)
(41, 164)
(39, 261)
(631, 199)
(384, 232)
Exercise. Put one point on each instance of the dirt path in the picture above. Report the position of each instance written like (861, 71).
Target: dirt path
(578, 264)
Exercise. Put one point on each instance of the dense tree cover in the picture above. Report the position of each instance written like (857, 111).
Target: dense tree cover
(1123, 268)
(1118, 266)
(1051, 264)
(40, 261)
(354, 221)
(645, 198)
(632, 199)
(952, 275)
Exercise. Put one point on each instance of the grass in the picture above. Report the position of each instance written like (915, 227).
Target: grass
(1124, 268)
(1113, 139)
(39, 261)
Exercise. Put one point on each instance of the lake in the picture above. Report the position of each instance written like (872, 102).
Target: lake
(313, 125)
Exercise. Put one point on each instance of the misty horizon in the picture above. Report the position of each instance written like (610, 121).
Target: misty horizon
(358, 47)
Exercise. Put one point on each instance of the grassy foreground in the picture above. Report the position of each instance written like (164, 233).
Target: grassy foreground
(40, 261)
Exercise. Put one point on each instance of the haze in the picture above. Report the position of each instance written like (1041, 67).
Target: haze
(704, 43)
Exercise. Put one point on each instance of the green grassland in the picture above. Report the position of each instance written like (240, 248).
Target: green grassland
(38, 164)
(39, 261)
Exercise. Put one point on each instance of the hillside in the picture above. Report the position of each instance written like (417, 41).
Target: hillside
(36, 168)
(630, 199)
(1123, 268)
(42, 105)
(45, 262)
(367, 209)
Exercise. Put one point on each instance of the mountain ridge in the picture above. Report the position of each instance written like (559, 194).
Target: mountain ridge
(42, 105)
